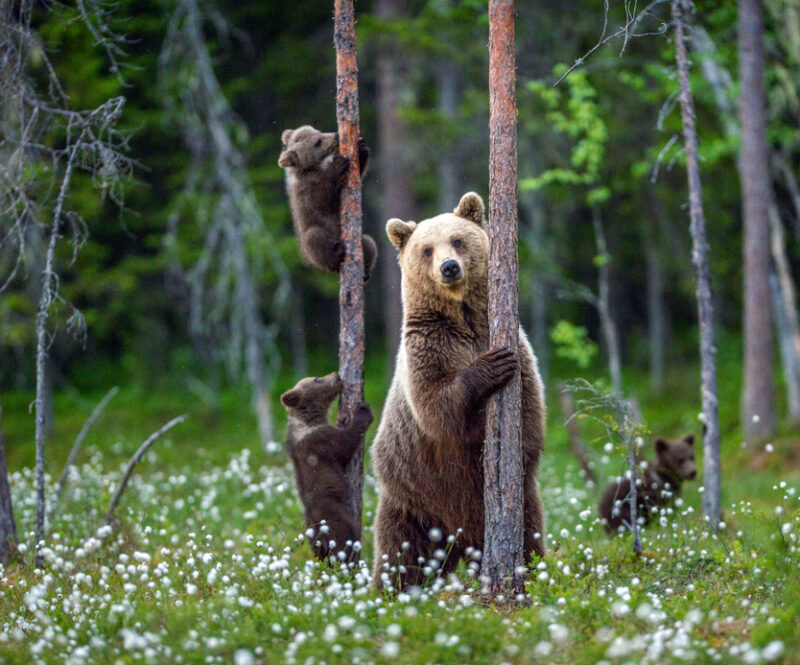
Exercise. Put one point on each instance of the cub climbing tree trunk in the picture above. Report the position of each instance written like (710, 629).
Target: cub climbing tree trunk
(502, 563)
(351, 291)
(708, 361)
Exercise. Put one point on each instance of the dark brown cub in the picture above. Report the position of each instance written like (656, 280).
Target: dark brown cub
(319, 453)
(657, 485)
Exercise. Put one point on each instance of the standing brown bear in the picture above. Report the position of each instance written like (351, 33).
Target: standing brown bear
(315, 176)
(659, 484)
(319, 453)
(428, 450)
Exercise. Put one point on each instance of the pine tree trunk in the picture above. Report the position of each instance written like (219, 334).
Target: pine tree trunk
(758, 399)
(8, 528)
(700, 250)
(502, 563)
(351, 293)
(394, 167)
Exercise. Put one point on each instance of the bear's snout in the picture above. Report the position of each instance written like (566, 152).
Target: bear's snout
(451, 271)
(692, 474)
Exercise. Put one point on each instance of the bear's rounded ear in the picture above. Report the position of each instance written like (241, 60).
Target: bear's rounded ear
(471, 207)
(661, 445)
(399, 231)
(288, 158)
(286, 136)
(689, 438)
(290, 398)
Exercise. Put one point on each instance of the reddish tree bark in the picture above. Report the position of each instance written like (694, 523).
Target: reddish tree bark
(502, 563)
(758, 398)
(351, 290)
(708, 362)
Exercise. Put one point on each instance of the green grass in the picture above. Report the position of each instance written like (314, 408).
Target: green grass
(207, 562)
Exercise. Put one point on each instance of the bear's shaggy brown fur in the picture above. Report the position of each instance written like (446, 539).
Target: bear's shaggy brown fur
(659, 484)
(315, 176)
(319, 453)
(428, 450)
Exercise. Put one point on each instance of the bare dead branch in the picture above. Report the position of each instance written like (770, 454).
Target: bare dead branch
(73, 453)
(628, 31)
(134, 461)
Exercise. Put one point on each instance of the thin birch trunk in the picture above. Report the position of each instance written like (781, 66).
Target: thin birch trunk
(351, 293)
(758, 397)
(8, 528)
(790, 180)
(297, 338)
(610, 333)
(502, 563)
(700, 251)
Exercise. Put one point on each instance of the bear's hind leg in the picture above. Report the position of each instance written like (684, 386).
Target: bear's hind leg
(400, 542)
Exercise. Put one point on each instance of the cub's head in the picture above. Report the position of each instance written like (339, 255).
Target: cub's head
(677, 456)
(312, 396)
(305, 147)
(445, 254)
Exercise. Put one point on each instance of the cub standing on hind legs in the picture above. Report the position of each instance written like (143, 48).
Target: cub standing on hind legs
(320, 453)
(315, 176)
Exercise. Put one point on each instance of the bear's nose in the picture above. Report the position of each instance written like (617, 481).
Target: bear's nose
(692, 475)
(450, 269)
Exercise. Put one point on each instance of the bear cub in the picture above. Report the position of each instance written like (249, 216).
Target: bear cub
(319, 453)
(315, 176)
(658, 484)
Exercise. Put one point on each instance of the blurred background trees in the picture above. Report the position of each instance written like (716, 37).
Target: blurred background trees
(196, 284)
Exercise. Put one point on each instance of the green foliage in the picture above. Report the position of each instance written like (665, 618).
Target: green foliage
(572, 342)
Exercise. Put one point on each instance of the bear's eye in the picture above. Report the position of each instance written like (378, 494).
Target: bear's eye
(317, 380)
(318, 143)
(428, 251)
(456, 243)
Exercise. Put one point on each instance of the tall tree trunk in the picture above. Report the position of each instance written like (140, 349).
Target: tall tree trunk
(351, 293)
(8, 528)
(784, 298)
(758, 399)
(782, 287)
(610, 333)
(394, 166)
(700, 250)
(502, 563)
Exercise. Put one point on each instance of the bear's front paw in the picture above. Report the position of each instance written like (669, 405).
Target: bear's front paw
(336, 256)
(340, 165)
(362, 418)
(497, 366)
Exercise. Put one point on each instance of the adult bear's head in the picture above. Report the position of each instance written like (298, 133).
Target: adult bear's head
(444, 256)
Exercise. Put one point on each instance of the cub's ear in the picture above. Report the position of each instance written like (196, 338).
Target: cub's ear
(471, 207)
(286, 136)
(288, 158)
(290, 398)
(399, 231)
(689, 438)
(661, 445)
